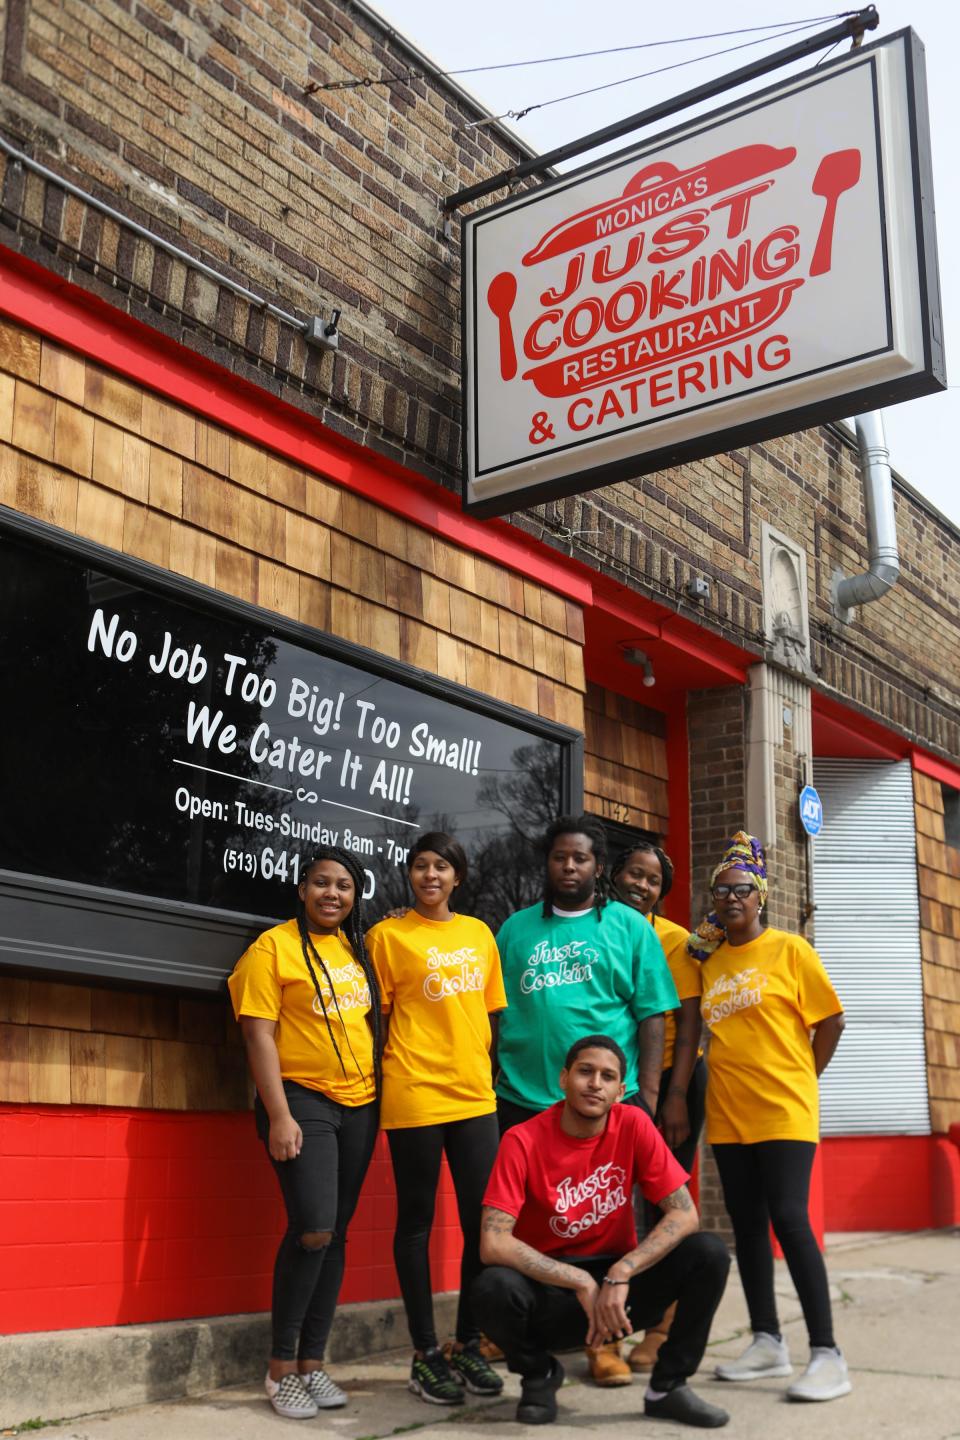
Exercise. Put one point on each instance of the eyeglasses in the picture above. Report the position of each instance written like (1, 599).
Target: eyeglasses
(723, 892)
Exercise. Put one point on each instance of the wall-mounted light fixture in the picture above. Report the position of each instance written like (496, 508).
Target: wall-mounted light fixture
(633, 656)
(323, 334)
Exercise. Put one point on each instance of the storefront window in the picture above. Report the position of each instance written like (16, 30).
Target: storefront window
(190, 753)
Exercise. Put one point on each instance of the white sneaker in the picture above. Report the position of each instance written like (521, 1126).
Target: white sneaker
(764, 1359)
(323, 1391)
(290, 1397)
(825, 1378)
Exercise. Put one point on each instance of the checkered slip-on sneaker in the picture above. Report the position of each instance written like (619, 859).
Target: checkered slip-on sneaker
(326, 1395)
(290, 1397)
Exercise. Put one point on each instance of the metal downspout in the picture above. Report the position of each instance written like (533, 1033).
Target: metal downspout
(883, 569)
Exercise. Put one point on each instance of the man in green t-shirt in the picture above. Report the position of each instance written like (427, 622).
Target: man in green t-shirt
(576, 964)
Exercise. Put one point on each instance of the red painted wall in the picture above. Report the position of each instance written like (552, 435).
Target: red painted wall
(110, 1217)
(890, 1182)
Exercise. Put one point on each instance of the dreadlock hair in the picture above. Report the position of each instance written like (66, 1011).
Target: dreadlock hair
(595, 833)
(646, 847)
(354, 930)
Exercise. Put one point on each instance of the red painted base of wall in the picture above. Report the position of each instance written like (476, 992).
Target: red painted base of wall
(890, 1182)
(111, 1217)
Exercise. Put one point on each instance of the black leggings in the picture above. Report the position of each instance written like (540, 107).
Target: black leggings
(471, 1148)
(320, 1190)
(769, 1183)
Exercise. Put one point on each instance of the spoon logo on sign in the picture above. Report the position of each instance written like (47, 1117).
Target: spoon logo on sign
(669, 291)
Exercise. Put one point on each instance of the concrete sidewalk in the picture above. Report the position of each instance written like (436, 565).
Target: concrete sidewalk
(897, 1302)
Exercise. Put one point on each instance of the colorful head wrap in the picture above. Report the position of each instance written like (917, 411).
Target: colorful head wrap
(743, 852)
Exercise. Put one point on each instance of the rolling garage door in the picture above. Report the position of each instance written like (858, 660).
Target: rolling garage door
(868, 935)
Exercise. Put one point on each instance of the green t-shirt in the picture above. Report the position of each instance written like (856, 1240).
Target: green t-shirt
(566, 978)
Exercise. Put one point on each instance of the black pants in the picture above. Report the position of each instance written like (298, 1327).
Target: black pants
(769, 1183)
(471, 1148)
(528, 1320)
(320, 1191)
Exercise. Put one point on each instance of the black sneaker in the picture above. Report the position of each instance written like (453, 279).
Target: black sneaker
(470, 1368)
(685, 1407)
(538, 1398)
(430, 1378)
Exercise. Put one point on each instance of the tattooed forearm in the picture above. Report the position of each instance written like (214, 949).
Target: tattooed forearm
(679, 1220)
(499, 1246)
(497, 1222)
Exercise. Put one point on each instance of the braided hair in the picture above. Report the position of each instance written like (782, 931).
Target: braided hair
(595, 833)
(354, 930)
(646, 847)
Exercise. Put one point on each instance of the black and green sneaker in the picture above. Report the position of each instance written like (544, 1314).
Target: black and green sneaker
(469, 1366)
(430, 1378)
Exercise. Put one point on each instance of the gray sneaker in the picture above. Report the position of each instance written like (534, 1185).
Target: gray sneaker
(825, 1378)
(764, 1359)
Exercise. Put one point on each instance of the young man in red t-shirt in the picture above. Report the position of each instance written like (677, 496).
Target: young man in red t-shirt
(559, 1239)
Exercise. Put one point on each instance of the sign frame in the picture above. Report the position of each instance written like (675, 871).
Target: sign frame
(927, 380)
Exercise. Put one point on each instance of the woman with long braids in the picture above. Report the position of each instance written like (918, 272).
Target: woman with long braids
(765, 993)
(308, 1003)
(642, 876)
(440, 983)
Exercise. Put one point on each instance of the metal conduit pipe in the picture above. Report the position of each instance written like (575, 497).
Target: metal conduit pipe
(883, 559)
(20, 158)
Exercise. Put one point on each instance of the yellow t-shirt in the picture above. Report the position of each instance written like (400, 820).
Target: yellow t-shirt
(686, 976)
(440, 980)
(760, 1001)
(271, 980)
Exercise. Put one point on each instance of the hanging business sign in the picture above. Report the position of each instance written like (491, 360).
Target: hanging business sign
(761, 269)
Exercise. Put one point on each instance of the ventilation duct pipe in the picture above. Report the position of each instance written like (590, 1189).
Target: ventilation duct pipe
(883, 569)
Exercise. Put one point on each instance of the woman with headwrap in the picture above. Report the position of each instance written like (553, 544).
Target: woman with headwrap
(774, 1021)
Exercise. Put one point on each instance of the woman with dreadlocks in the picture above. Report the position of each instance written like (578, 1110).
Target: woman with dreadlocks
(642, 877)
(765, 993)
(308, 1003)
(440, 983)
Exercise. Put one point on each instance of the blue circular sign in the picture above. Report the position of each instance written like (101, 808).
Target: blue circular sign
(811, 810)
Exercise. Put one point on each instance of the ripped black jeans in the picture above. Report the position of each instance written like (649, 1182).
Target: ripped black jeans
(320, 1190)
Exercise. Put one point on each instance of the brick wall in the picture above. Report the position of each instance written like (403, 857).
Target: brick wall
(715, 724)
(938, 864)
(716, 729)
(198, 122)
(204, 124)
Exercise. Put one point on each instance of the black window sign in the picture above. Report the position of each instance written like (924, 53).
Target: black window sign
(190, 753)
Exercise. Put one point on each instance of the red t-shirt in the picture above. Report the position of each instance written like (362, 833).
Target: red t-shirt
(572, 1197)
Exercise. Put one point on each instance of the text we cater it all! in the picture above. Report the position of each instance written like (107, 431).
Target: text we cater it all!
(712, 266)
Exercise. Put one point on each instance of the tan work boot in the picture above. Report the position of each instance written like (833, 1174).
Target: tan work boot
(643, 1356)
(606, 1366)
